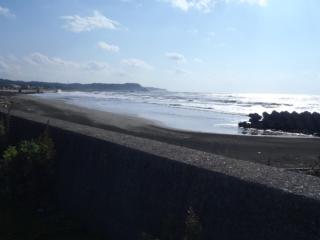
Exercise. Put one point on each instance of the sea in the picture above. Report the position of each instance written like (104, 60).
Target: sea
(192, 111)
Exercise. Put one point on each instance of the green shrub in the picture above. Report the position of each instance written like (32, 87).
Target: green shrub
(28, 170)
(9, 154)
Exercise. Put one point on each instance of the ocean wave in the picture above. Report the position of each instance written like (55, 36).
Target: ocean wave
(240, 104)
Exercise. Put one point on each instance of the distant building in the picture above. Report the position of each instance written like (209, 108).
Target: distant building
(14, 86)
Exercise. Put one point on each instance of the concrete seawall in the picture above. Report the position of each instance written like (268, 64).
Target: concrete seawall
(123, 185)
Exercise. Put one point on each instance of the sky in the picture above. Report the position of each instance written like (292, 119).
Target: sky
(269, 46)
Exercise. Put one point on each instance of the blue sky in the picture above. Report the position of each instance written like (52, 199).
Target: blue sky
(185, 45)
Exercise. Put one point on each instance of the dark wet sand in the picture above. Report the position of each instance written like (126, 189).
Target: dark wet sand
(287, 152)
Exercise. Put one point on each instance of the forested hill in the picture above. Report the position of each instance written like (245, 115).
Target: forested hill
(5, 83)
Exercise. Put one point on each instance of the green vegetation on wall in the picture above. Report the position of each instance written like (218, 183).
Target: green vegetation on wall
(27, 171)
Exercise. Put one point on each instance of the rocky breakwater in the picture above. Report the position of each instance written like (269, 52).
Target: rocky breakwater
(305, 122)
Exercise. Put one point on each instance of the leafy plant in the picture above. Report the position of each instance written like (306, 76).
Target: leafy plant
(9, 154)
(28, 169)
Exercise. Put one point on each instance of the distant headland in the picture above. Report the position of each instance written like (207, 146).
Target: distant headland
(6, 84)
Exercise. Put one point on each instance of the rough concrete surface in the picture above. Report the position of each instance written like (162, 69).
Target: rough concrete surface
(124, 185)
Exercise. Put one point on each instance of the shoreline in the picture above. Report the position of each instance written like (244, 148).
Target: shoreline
(176, 117)
(161, 125)
(278, 151)
(141, 121)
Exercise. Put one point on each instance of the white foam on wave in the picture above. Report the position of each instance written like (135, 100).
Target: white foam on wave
(241, 104)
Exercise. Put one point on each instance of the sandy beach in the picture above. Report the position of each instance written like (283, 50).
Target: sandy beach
(285, 152)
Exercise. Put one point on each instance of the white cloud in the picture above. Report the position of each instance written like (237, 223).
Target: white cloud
(136, 3)
(136, 63)
(231, 29)
(78, 24)
(41, 59)
(96, 66)
(193, 31)
(198, 60)
(211, 36)
(261, 3)
(6, 12)
(40, 67)
(207, 5)
(179, 71)
(185, 5)
(108, 47)
(3, 65)
(177, 57)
